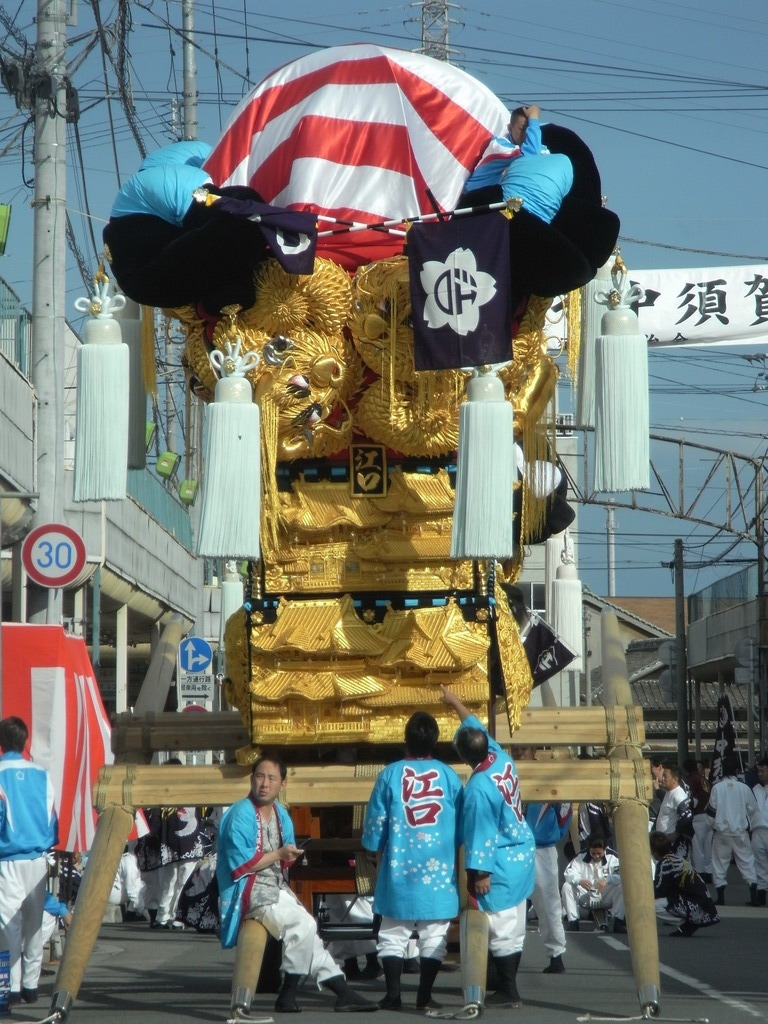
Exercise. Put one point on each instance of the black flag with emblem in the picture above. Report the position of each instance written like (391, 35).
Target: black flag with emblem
(726, 741)
(547, 654)
(461, 302)
(290, 234)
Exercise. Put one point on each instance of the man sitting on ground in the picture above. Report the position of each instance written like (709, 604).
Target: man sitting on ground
(593, 885)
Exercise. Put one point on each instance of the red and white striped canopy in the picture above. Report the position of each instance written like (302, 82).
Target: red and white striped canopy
(363, 133)
(48, 681)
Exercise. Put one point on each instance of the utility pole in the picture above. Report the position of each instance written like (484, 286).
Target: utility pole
(49, 277)
(190, 70)
(681, 660)
(610, 530)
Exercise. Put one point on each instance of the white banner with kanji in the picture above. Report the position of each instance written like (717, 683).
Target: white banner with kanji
(698, 306)
(703, 306)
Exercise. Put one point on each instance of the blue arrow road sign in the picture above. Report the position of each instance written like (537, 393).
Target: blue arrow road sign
(195, 654)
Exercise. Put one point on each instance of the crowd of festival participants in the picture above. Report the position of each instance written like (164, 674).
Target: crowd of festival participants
(209, 870)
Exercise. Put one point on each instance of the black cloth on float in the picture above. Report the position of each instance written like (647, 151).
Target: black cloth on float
(559, 514)
(543, 261)
(592, 229)
(586, 177)
(290, 234)
(210, 259)
(581, 217)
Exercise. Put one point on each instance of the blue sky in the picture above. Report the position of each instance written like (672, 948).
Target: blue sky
(671, 97)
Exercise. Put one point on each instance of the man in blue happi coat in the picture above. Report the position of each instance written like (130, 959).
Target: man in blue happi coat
(411, 823)
(29, 828)
(256, 846)
(499, 848)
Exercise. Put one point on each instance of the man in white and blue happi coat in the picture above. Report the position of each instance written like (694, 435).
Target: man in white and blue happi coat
(256, 847)
(499, 848)
(411, 822)
(28, 829)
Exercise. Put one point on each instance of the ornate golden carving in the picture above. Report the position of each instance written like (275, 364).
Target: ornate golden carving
(337, 367)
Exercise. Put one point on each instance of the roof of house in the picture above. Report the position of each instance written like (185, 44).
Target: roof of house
(658, 610)
(641, 611)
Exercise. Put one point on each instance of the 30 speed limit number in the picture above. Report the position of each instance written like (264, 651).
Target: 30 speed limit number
(53, 555)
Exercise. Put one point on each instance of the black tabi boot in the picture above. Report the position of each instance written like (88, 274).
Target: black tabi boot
(686, 929)
(153, 919)
(506, 969)
(351, 969)
(753, 897)
(372, 967)
(393, 968)
(556, 965)
(427, 973)
(761, 894)
(347, 1000)
(286, 997)
(720, 901)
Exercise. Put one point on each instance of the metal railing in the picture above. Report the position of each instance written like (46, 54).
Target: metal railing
(15, 329)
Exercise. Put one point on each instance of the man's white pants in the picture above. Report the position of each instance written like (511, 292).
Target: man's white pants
(22, 894)
(344, 908)
(506, 930)
(723, 845)
(163, 888)
(303, 951)
(760, 852)
(394, 936)
(128, 887)
(701, 848)
(546, 901)
(612, 897)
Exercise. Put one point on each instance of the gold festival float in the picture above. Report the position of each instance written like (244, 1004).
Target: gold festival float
(358, 612)
(361, 601)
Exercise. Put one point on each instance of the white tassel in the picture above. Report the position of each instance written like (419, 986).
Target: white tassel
(103, 370)
(231, 505)
(622, 456)
(232, 595)
(567, 613)
(483, 520)
(553, 547)
(590, 325)
(130, 325)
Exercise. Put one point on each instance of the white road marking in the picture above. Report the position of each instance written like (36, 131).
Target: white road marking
(695, 983)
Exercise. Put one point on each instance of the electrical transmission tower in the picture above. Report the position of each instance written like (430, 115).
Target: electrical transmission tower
(435, 23)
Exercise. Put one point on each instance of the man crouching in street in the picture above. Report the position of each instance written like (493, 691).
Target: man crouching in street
(256, 847)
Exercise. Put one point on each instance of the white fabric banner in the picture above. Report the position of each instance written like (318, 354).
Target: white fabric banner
(698, 306)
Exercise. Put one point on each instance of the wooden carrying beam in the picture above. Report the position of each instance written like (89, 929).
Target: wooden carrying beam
(144, 735)
(331, 785)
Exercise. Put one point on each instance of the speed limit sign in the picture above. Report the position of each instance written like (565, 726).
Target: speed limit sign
(53, 555)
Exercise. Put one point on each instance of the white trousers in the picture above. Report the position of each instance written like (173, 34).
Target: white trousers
(303, 952)
(723, 846)
(701, 848)
(394, 936)
(506, 930)
(163, 888)
(344, 908)
(22, 894)
(128, 887)
(612, 897)
(760, 852)
(546, 901)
